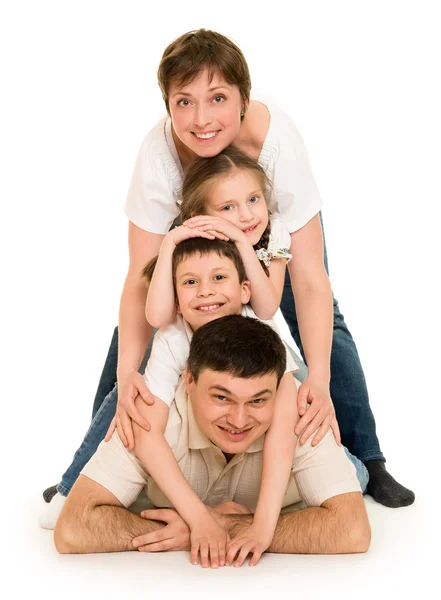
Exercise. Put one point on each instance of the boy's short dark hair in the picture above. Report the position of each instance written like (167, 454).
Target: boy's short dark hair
(201, 246)
(241, 346)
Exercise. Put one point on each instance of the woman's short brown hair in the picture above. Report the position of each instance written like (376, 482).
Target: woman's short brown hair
(190, 53)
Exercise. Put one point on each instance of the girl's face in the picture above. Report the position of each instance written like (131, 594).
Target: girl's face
(239, 198)
(205, 114)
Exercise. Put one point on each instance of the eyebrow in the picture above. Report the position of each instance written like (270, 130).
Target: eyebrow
(233, 199)
(213, 270)
(212, 89)
(227, 391)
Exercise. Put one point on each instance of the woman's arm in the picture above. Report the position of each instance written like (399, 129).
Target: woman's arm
(134, 331)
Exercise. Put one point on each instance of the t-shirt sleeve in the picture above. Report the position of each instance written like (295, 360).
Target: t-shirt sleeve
(118, 470)
(280, 240)
(166, 363)
(323, 471)
(295, 195)
(150, 202)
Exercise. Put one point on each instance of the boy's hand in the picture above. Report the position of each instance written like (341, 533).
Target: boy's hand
(319, 416)
(254, 540)
(209, 539)
(181, 233)
(133, 386)
(216, 225)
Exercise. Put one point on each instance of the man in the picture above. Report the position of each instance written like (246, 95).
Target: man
(216, 430)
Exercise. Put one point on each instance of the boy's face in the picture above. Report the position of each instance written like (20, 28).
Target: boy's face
(208, 287)
(231, 411)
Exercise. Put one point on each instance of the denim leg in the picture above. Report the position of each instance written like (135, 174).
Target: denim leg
(94, 436)
(108, 376)
(98, 428)
(348, 385)
(362, 472)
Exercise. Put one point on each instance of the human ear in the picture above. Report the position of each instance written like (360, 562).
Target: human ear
(188, 381)
(246, 292)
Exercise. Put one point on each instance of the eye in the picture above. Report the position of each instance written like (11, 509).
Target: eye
(253, 199)
(227, 208)
(219, 99)
(219, 277)
(221, 398)
(183, 102)
(190, 282)
(258, 401)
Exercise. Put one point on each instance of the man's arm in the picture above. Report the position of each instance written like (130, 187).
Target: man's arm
(94, 520)
(339, 526)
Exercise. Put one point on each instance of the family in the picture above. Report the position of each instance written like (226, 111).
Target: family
(219, 421)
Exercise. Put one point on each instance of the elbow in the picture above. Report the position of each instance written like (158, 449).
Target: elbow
(66, 535)
(265, 312)
(360, 537)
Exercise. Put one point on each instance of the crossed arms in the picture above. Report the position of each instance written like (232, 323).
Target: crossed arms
(93, 520)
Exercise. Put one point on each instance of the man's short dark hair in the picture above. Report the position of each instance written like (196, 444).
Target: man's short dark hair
(241, 346)
(201, 246)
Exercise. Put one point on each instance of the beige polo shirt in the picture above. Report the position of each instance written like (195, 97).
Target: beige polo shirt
(317, 473)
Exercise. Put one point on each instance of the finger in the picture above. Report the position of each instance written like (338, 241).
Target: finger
(158, 546)
(313, 426)
(111, 429)
(153, 537)
(194, 553)
(256, 556)
(302, 400)
(158, 514)
(219, 235)
(214, 555)
(204, 549)
(126, 424)
(306, 419)
(222, 550)
(121, 431)
(136, 416)
(322, 431)
(233, 549)
(246, 549)
(336, 431)
(146, 394)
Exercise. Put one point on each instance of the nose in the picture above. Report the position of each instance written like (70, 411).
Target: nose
(245, 214)
(238, 417)
(202, 116)
(205, 289)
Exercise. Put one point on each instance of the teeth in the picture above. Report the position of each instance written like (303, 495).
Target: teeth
(205, 136)
(236, 432)
(208, 308)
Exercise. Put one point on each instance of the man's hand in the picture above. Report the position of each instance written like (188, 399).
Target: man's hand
(174, 536)
(255, 540)
(133, 386)
(319, 416)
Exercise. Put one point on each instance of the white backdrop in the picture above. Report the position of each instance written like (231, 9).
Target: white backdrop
(361, 80)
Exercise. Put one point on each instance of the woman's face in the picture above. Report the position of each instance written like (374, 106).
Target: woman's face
(238, 197)
(205, 114)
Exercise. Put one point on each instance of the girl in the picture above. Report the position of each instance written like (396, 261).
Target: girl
(205, 84)
(233, 185)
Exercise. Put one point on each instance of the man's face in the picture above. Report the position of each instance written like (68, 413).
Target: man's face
(208, 287)
(230, 411)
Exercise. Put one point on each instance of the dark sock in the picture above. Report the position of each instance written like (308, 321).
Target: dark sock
(384, 489)
(49, 493)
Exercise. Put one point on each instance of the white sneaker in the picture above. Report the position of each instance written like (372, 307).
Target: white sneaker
(49, 517)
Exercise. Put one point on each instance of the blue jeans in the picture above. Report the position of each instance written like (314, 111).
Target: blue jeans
(348, 392)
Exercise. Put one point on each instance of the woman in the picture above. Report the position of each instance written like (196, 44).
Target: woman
(206, 86)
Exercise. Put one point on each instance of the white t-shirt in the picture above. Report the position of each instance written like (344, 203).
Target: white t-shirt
(156, 186)
(169, 356)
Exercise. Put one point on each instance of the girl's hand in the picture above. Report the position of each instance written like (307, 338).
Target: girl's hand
(209, 539)
(181, 233)
(320, 414)
(216, 225)
(133, 386)
(253, 540)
